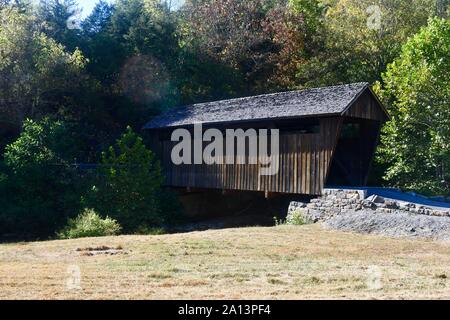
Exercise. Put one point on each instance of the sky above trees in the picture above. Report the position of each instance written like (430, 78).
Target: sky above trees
(88, 5)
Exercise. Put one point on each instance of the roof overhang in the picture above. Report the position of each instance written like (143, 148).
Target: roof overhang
(363, 88)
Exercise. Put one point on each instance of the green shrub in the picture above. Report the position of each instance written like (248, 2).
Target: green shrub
(39, 188)
(89, 224)
(296, 219)
(128, 187)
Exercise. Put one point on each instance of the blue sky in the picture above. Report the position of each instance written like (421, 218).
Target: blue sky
(88, 5)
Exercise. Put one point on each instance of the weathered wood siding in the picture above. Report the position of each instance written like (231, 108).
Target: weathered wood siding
(366, 107)
(305, 159)
(304, 163)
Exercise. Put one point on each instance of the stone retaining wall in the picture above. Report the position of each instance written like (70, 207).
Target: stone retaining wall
(335, 202)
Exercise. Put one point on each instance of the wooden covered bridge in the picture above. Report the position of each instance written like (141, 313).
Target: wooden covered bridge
(328, 137)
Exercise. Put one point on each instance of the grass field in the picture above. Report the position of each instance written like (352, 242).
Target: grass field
(248, 263)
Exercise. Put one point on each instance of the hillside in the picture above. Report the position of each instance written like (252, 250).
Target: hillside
(247, 263)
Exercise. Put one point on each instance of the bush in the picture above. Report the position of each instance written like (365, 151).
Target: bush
(296, 219)
(39, 188)
(128, 187)
(293, 219)
(89, 224)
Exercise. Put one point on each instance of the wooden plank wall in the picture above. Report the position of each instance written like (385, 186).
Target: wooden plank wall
(304, 163)
(366, 107)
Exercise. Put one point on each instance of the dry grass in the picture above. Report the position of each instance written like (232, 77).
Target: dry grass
(249, 263)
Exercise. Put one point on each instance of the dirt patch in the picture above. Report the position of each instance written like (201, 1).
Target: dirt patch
(101, 250)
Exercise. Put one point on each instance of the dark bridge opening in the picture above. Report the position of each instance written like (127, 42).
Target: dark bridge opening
(354, 153)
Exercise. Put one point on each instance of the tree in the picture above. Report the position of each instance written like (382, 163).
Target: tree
(129, 185)
(39, 190)
(103, 50)
(60, 21)
(147, 27)
(416, 142)
(258, 39)
(99, 19)
(355, 40)
(37, 75)
(133, 51)
(21, 5)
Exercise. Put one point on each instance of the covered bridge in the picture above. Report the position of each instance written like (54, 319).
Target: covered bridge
(328, 137)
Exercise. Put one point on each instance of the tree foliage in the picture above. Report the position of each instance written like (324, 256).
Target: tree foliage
(59, 20)
(38, 76)
(39, 189)
(416, 142)
(355, 40)
(129, 184)
(258, 39)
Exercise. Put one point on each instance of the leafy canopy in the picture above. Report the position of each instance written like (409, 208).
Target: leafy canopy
(37, 75)
(416, 142)
(351, 41)
(129, 184)
(39, 189)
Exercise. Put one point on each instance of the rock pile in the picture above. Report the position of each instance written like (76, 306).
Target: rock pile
(336, 202)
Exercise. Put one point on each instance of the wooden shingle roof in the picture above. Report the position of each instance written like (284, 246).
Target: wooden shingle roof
(309, 102)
